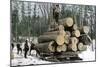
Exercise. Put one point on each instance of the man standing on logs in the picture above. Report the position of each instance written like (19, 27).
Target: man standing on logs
(56, 12)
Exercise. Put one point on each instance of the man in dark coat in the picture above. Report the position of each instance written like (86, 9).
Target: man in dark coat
(26, 48)
(32, 47)
(18, 48)
(12, 46)
(56, 11)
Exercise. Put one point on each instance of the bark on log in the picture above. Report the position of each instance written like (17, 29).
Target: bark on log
(52, 32)
(56, 28)
(61, 32)
(85, 39)
(45, 47)
(46, 38)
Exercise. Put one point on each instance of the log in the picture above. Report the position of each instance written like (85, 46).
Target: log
(64, 47)
(74, 40)
(56, 28)
(67, 38)
(72, 47)
(76, 33)
(46, 38)
(84, 29)
(61, 27)
(75, 27)
(61, 32)
(82, 47)
(85, 39)
(61, 48)
(52, 32)
(67, 22)
(45, 47)
(51, 46)
(68, 33)
(60, 40)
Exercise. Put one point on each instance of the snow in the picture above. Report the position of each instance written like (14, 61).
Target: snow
(88, 55)
(27, 61)
(20, 60)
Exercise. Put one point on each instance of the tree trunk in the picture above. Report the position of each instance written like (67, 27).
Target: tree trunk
(61, 48)
(74, 40)
(67, 38)
(60, 40)
(84, 29)
(75, 27)
(47, 38)
(62, 32)
(67, 22)
(76, 33)
(72, 47)
(80, 46)
(45, 47)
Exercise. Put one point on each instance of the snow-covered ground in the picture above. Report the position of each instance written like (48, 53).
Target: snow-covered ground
(20, 60)
(88, 55)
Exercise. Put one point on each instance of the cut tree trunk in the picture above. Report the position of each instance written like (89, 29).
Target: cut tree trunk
(74, 40)
(61, 48)
(84, 29)
(85, 39)
(67, 22)
(76, 33)
(52, 32)
(72, 47)
(56, 28)
(47, 38)
(75, 27)
(67, 38)
(45, 47)
(80, 46)
(68, 33)
(52, 46)
(64, 47)
(61, 32)
(60, 40)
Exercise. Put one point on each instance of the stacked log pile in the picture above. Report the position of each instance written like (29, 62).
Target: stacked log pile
(66, 37)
